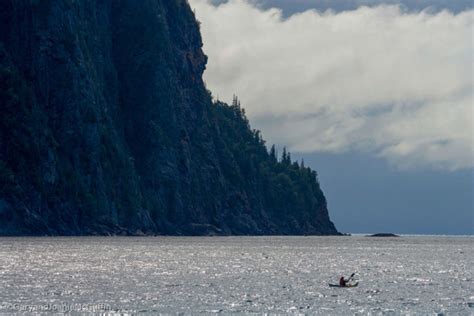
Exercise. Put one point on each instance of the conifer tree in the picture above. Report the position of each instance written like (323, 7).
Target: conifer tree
(273, 155)
(283, 155)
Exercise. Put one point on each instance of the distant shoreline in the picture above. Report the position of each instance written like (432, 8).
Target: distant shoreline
(417, 235)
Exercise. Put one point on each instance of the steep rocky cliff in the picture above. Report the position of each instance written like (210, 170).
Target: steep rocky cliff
(107, 128)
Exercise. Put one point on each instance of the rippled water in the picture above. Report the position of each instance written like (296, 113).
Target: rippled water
(237, 274)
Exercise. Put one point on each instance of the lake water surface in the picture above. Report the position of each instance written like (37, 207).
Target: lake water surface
(237, 274)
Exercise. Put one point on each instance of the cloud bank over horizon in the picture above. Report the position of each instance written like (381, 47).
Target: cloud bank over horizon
(395, 84)
(290, 7)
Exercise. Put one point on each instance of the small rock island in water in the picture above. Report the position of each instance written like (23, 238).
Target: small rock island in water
(383, 235)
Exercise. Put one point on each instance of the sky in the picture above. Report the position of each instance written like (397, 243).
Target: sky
(376, 96)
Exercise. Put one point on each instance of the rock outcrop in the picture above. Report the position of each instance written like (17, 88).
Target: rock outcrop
(107, 128)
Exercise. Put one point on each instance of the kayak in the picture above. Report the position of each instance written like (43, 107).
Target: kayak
(348, 285)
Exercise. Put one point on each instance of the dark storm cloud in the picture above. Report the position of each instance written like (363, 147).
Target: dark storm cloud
(290, 7)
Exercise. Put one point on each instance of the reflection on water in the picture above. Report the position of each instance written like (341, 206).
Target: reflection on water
(237, 274)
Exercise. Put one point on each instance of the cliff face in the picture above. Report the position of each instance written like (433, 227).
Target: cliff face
(107, 128)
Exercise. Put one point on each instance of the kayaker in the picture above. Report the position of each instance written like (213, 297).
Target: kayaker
(343, 282)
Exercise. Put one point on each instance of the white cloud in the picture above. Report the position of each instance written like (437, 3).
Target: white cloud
(379, 80)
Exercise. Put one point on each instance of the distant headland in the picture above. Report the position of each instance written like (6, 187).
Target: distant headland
(104, 132)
